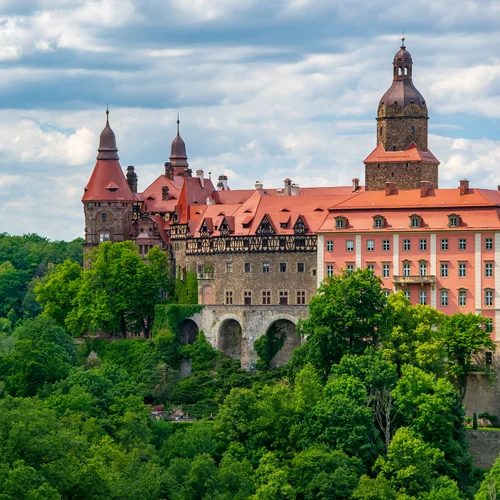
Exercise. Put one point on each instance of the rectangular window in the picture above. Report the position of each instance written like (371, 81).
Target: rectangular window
(378, 223)
(462, 298)
(103, 237)
(104, 217)
(462, 244)
(266, 267)
(229, 297)
(444, 298)
(423, 269)
(247, 267)
(386, 273)
(407, 294)
(386, 293)
(282, 267)
(406, 269)
(266, 298)
(461, 270)
(200, 270)
(370, 245)
(488, 270)
(488, 297)
(329, 246)
(329, 270)
(423, 244)
(415, 222)
(371, 267)
(350, 268)
(247, 297)
(301, 297)
(350, 245)
(444, 270)
(283, 297)
(229, 267)
(386, 245)
(488, 243)
(423, 298)
(300, 267)
(444, 244)
(406, 245)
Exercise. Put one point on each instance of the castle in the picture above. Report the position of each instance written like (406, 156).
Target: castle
(272, 247)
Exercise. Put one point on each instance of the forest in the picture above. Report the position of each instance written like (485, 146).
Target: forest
(369, 407)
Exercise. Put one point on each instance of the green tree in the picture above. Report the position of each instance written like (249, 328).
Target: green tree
(119, 291)
(272, 480)
(414, 336)
(12, 284)
(57, 292)
(465, 336)
(347, 315)
(42, 352)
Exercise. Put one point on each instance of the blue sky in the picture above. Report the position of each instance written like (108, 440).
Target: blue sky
(266, 89)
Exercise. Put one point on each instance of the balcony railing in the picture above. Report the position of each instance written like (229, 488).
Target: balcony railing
(415, 280)
(206, 276)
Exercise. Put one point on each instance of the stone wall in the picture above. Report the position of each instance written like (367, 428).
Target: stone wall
(223, 277)
(117, 221)
(222, 325)
(397, 131)
(484, 446)
(404, 175)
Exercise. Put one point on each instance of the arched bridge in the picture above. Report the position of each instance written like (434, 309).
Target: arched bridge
(234, 329)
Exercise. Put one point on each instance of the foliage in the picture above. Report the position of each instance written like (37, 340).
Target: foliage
(347, 315)
(267, 346)
(42, 352)
(186, 290)
(171, 316)
(465, 336)
(414, 336)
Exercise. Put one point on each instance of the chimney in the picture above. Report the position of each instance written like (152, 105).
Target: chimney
(288, 187)
(258, 185)
(220, 186)
(132, 178)
(295, 190)
(169, 171)
(389, 188)
(164, 193)
(199, 174)
(464, 186)
(210, 201)
(355, 184)
(223, 181)
(424, 188)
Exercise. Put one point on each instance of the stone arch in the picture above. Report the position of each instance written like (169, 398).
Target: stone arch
(208, 295)
(283, 326)
(230, 336)
(189, 331)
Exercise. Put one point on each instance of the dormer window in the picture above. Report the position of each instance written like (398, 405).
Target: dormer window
(340, 222)
(299, 227)
(378, 222)
(453, 220)
(415, 221)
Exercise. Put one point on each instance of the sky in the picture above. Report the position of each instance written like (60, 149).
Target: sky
(266, 89)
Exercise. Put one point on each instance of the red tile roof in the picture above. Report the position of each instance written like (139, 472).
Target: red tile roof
(411, 153)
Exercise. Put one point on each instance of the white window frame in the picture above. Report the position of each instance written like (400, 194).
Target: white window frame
(386, 271)
(444, 296)
(329, 246)
(406, 245)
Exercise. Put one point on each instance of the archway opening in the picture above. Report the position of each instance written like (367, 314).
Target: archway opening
(282, 339)
(189, 332)
(230, 338)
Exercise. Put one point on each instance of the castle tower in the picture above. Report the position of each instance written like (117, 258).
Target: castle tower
(402, 155)
(178, 156)
(107, 198)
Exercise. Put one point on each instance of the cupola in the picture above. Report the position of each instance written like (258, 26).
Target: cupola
(178, 156)
(107, 143)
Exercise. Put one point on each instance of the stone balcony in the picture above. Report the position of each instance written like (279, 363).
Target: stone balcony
(415, 280)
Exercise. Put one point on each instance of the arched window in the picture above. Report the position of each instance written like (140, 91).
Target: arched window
(400, 70)
(381, 129)
(406, 70)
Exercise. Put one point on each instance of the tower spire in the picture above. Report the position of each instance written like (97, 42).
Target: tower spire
(178, 121)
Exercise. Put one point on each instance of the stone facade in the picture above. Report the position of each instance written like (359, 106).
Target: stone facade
(234, 329)
(484, 446)
(243, 275)
(406, 175)
(396, 133)
(106, 221)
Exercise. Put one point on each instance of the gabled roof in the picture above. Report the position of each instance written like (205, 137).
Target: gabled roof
(411, 153)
